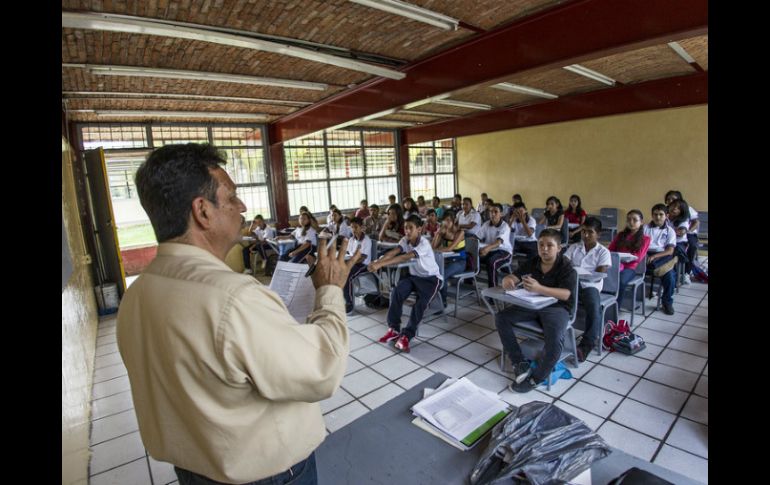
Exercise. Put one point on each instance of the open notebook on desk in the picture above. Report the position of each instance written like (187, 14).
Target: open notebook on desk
(531, 297)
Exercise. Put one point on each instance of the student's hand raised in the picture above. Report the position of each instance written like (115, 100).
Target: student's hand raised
(332, 269)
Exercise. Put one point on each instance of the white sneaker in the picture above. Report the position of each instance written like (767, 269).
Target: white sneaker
(687, 280)
(247, 271)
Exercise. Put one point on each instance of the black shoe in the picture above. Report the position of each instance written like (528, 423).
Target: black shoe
(521, 371)
(349, 309)
(584, 349)
(523, 387)
(668, 308)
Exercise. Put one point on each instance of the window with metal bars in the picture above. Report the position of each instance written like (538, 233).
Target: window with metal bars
(433, 169)
(341, 167)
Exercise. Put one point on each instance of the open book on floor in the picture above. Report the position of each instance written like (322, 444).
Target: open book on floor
(460, 413)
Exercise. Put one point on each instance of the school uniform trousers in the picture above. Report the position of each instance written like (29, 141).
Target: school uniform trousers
(426, 289)
(300, 256)
(692, 251)
(552, 318)
(357, 269)
(494, 260)
(668, 280)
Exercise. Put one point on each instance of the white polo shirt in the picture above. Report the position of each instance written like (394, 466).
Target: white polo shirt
(472, 216)
(266, 233)
(345, 230)
(311, 235)
(425, 262)
(686, 226)
(366, 247)
(660, 237)
(490, 233)
(597, 256)
(520, 234)
(693, 217)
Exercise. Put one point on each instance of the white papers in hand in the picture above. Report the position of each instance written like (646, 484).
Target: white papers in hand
(296, 291)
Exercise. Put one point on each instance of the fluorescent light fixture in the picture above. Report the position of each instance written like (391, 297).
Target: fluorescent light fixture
(682, 53)
(386, 123)
(413, 12)
(462, 104)
(203, 97)
(146, 26)
(178, 114)
(105, 70)
(425, 101)
(585, 72)
(516, 88)
(426, 113)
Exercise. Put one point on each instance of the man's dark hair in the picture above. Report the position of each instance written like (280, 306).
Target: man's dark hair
(594, 223)
(415, 219)
(171, 178)
(357, 220)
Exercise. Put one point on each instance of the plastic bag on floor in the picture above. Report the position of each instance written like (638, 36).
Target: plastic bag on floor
(539, 444)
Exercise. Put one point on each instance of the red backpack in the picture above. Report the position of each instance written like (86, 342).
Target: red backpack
(614, 332)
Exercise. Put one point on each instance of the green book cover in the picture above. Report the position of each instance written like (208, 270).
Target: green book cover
(479, 432)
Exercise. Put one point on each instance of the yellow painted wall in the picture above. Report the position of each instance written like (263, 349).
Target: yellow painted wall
(78, 336)
(625, 161)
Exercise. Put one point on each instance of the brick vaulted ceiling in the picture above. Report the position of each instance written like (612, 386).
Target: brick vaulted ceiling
(525, 42)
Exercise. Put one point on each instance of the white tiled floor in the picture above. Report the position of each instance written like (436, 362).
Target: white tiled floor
(653, 405)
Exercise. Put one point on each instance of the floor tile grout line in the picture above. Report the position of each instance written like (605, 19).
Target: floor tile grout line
(110, 469)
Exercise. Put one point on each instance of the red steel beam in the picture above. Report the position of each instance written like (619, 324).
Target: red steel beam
(671, 92)
(278, 181)
(559, 36)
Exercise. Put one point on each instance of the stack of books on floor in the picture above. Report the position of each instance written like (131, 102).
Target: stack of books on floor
(459, 412)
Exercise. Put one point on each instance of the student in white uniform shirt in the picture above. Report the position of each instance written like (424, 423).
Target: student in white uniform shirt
(261, 232)
(678, 217)
(482, 205)
(424, 279)
(307, 240)
(661, 252)
(468, 219)
(692, 231)
(523, 227)
(591, 256)
(338, 226)
(496, 234)
(358, 240)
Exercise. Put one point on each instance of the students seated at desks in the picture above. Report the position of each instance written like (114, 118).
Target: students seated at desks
(678, 217)
(468, 219)
(391, 200)
(422, 206)
(410, 208)
(549, 274)
(496, 234)
(485, 212)
(361, 242)
(575, 215)
(591, 256)
(661, 252)
(457, 203)
(482, 205)
(424, 279)
(523, 227)
(630, 240)
(363, 210)
(450, 238)
(509, 216)
(374, 222)
(692, 232)
(306, 237)
(436, 206)
(313, 220)
(393, 229)
(260, 231)
(330, 216)
(553, 216)
(431, 226)
(338, 226)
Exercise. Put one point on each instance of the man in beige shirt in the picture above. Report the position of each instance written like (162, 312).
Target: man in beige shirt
(225, 382)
